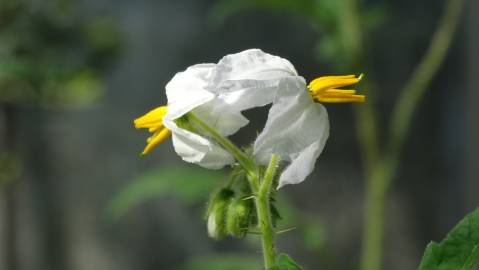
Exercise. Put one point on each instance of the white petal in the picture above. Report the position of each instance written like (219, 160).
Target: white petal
(218, 94)
(243, 81)
(251, 64)
(296, 130)
(220, 117)
(211, 225)
(224, 112)
(186, 90)
(197, 149)
(249, 94)
(302, 165)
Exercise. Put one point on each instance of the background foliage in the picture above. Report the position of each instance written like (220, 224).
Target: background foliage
(82, 197)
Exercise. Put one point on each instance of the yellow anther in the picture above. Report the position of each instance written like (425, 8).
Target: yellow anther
(324, 89)
(152, 118)
(153, 121)
(156, 139)
(341, 92)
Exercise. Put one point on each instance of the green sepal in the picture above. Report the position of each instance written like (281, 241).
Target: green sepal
(237, 181)
(219, 196)
(184, 123)
(217, 211)
(238, 217)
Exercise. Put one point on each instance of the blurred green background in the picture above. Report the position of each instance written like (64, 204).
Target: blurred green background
(75, 194)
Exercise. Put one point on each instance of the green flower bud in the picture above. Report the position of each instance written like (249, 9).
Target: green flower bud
(238, 217)
(216, 213)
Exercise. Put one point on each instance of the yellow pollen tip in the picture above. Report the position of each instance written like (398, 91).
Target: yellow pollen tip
(325, 89)
(156, 139)
(153, 121)
(151, 118)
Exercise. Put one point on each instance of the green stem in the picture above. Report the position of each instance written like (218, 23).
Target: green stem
(261, 189)
(373, 228)
(262, 201)
(422, 76)
(351, 34)
(384, 171)
(240, 156)
(353, 49)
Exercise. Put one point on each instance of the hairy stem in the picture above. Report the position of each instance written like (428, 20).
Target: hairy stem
(262, 200)
(260, 187)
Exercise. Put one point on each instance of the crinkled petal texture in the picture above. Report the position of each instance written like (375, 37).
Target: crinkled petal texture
(242, 81)
(296, 130)
(217, 93)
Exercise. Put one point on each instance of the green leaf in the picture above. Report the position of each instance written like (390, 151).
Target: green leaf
(284, 262)
(190, 184)
(460, 249)
(223, 262)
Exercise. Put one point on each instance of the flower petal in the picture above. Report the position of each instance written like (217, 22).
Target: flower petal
(186, 90)
(218, 94)
(252, 64)
(219, 116)
(242, 81)
(302, 165)
(224, 112)
(296, 130)
(197, 149)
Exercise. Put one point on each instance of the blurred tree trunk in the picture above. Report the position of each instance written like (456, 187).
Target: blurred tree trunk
(472, 129)
(46, 205)
(9, 191)
(47, 195)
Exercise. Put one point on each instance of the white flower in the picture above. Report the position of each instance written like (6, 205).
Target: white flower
(217, 94)
(297, 128)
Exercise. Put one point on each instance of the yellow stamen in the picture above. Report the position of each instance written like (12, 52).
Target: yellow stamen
(324, 89)
(340, 91)
(355, 98)
(152, 118)
(153, 121)
(156, 139)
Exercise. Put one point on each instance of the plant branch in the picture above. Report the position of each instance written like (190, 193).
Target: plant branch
(384, 172)
(353, 49)
(422, 76)
(262, 201)
(240, 156)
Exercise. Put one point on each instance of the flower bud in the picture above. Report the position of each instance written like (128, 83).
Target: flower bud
(238, 217)
(216, 213)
